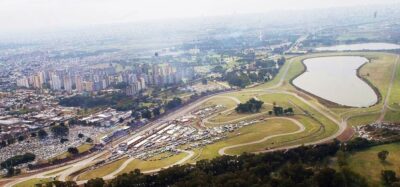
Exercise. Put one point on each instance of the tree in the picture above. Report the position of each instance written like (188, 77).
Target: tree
(382, 155)
(33, 134)
(156, 111)
(60, 130)
(121, 120)
(281, 61)
(73, 150)
(251, 105)
(175, 102)
(62, 140)
(278, 110)
(388, 177)
(80, 135)
(21, 138)
(89, 140)
(146, 114)
(237, 79)
(18, 159)
(42, 134)
(97, 182)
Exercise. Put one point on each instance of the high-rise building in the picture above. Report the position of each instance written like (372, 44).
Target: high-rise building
(87, 86)
(23, 82)
(55, 82)
(142, 82)
(78, 83)
(67, 83)
(37, 82)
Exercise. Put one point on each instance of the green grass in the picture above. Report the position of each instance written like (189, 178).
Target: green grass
(246, 134)
(392, 116)
(33, 182)
(102, 171)
(394, 100)
(312, 133)
(368, 165)
(81, 148)
(362, 119)
(151, 165)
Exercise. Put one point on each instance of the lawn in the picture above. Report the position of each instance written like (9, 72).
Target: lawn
(246, 134)
(316, 128)
(392, 116)
(102, 171)
(368, 165)
(33, 182)
(152, 164)
(81, 148)
(394, 100)
(363, 119)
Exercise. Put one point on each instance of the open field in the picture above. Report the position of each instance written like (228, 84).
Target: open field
(82, 148)
(363, 119)
(151, 165)
(102, 171)
(246, 134)
(32, 182)
(368, 165)
(392, 116)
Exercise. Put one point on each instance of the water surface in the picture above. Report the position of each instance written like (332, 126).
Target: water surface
(335, 79)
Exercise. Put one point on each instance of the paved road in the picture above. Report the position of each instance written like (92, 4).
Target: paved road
(300, 125)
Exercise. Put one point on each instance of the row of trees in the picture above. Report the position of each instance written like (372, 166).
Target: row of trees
(17, 160)
(296, 167)
(238, 79)
(251, 106)
(279, 111)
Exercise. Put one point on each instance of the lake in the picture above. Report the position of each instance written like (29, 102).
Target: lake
(360, 47)
(335, 79)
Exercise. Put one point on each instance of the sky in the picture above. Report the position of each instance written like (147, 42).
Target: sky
(22, 15)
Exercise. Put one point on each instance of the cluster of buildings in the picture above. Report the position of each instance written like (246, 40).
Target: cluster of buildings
(97, 79)
(106, 118)
(181, 132)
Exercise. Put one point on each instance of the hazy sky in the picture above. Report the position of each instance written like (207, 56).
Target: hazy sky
(22, 15)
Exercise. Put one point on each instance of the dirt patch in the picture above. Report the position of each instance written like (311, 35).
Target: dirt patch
(346, 135)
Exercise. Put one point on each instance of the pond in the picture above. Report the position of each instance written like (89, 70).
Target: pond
(335, 79)
(360, 47)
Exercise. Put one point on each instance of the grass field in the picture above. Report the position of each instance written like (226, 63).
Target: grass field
(368, 165)
(247, 134)
(363, 119)
(392, 116)
(81, 148)
(102, 171)
(32, 182)
(150, 165)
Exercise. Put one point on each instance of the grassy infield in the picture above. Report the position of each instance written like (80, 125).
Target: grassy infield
(364, 162)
